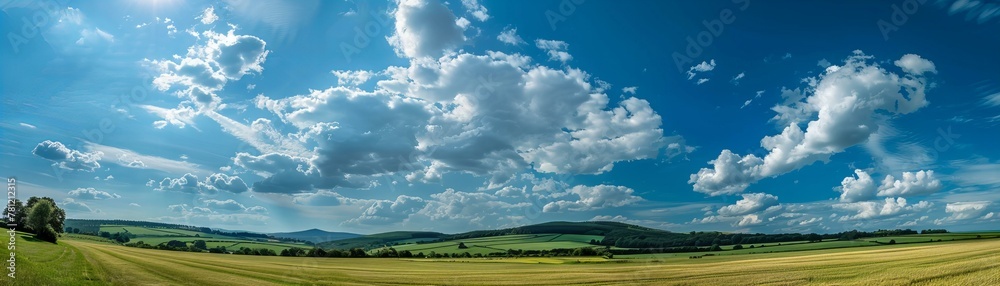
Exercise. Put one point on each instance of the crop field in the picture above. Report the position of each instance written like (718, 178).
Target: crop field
(485, 245)
(86, 262)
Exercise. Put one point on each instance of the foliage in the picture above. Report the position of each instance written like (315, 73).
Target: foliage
(42, 216)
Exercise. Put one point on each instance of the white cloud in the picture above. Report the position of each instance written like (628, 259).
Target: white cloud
(737, 78)
(92, 194)
(66, 158)
(992, 100)
(911, 184)
(509, 36)
(593, 198)
(354, 78)
(26, 125)
(964, 211)
(856, 189)
(205, 70)
(749, 204)
(319, 198)
(557, 50)
(749, 220)
(132, 159)
(228, 205)
(74, 206)
(208, 16)
(891, 207)
(700, 68)
(847, 105)
(424, 28)
(190, 183)
(915, 65)
(747, 103)
(477, 10)
(629, 90)
(701, 81)
(389, 211)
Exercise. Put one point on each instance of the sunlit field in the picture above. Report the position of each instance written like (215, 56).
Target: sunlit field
(75, 261)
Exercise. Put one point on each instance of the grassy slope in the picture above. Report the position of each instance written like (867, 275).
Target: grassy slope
(43, 263)
(971, 262)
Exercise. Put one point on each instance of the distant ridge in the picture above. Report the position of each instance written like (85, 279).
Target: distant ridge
(315, 235)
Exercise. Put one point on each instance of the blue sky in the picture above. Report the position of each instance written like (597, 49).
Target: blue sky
(375, 116)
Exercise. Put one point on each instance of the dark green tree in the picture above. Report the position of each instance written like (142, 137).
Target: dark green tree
(40, 218)
(200, 244)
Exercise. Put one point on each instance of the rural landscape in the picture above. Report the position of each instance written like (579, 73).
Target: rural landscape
(500, 142)
(119, 252)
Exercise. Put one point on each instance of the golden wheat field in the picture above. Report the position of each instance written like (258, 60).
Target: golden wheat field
(76, 261)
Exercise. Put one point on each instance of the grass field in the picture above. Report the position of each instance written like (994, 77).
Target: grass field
(485, 245)
(76, 261)
(154, 236)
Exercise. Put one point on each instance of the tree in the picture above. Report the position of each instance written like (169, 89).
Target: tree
(737, 247)
(715, 247)
(58, 214)
(892, 241)
(40, 218)
(461, 245)
(200, 244)
(176, 244)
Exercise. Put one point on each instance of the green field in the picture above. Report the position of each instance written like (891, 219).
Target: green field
(485, 245)
(76, 261)
(155, 236)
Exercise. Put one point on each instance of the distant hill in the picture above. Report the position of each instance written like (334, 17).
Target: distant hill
(382, 239)
(595, 228)
(315, 235)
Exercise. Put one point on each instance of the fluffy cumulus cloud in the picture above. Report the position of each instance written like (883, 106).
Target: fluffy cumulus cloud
(476, 9)
(861, 187)
(750, 220)
(425, 28)
(911, 184)
(509, 36)
(914, 64)
(189, 183)
(92, 194)
(557, 50)
(203, 71)
(66, 158)
(358, 77)
(585, 198)
(493, 115)
(857, 188)
(845, 106)
(208, 16)
(749, 204)
(891, 207)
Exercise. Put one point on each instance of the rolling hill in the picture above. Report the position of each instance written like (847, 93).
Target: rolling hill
(596, 230)
(382, 239)
(315, 235)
